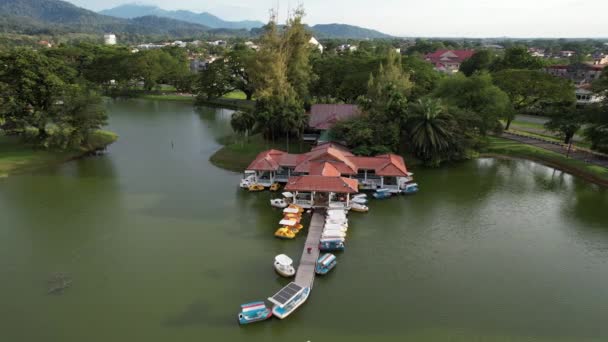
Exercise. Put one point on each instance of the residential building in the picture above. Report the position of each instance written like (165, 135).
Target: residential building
(314, 42)
(584, 95)
(581, 73)
(322, 117)
(346, 47)
(567, 53)
(252, 45)
(448, 61)
(109, 39)
(198, 64)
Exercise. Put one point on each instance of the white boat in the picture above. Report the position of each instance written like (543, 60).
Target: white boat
(288, 223)
(333, 234)
(279, 203)
(359, 200)
(339, 239)
(338, 221)
(359, 207)
(291, 211)
(284, 266)
(249, 178)
(334, 230)
(331, 226)
(360, 196)
(288, 299)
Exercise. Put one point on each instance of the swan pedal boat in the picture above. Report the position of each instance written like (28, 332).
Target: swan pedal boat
(256, 188)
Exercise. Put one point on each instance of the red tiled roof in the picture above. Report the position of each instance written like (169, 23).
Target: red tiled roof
(266, 161)
(324, 116)
(329, 160)
(323, 184)
(323, 169)
(442, 56)
(385, 165)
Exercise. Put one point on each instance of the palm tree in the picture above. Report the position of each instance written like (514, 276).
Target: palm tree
(432, 130)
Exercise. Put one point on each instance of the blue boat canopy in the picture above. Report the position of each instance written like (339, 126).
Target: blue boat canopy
(327, 259)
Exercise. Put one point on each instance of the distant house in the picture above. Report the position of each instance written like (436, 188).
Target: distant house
(584, 95)
(581, 73)
(314, 42)
(567, 53)
(198, 64)
(322, 117)
(448, 61)
(346, 47)
(109, 39)
(45, 43)
(252, 45)
(218, 43)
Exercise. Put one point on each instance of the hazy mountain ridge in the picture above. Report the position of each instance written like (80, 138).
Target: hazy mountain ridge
(130, 11)
(33, 16)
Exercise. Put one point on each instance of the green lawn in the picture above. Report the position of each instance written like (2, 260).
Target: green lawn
(238, 153)
(169, 97)
(15, 156)
(510, 148)
(235, 95)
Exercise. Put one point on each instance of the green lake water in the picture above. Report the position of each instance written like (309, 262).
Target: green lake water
(163, 246)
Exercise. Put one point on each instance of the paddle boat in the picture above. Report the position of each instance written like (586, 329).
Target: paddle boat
(359, 200)
(325, 264)
(333, 234)
(249, 178)
(360, 208)
(410, 189)
(285, 233)
(382, 194)
(331, 245)
(256, 188)
(291, 211)
(275, 187)
(278, 203)
(254, 312)
(288, 299)
(338, 227)
(284, 266)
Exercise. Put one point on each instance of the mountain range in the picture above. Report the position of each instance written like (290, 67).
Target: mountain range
(130, 11)
(58, 17)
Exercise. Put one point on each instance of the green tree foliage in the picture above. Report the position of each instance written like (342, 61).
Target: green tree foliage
(480, 61)
(532, 89)
(483, 102)
(517, 57)
(422, 74)
(44, 101)
(215, 81)
(298, 51)
(434, 134)
(567, 120)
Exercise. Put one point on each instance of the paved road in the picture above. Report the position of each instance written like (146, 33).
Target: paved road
(574, 154)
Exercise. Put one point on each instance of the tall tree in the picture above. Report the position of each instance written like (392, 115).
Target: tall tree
(298, 51)
(517, 57)
(477, 96)
(433, 133)
(528, 89)
(480, 61)
(567, 120)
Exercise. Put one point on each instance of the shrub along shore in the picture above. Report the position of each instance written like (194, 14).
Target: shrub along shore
(16, 156)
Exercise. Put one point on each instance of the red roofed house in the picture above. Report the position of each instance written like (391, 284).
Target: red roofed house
(326, 172)
(448, 61)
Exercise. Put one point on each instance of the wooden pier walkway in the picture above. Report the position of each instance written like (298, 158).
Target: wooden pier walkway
(306, 269)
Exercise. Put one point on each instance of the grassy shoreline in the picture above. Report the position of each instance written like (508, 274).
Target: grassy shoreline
(236, 100)
(505, 148)
(17, 157)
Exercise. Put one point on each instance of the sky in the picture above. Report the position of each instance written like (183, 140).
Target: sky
(416, 18)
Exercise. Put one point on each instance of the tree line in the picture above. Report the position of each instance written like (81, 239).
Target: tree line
(408, 105)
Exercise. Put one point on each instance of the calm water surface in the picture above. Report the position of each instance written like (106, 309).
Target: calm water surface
(163, 246)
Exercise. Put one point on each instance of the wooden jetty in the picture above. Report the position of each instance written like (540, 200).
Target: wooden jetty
(306, 269)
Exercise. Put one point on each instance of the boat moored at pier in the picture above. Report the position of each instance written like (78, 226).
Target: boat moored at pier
(288, 299)
(254, 312)
(325, 264)
(284, 266)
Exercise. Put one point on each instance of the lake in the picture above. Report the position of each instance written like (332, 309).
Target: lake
(163, 246)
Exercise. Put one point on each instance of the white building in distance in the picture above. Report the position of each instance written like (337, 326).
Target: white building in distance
(109, 39)
(313, 41)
